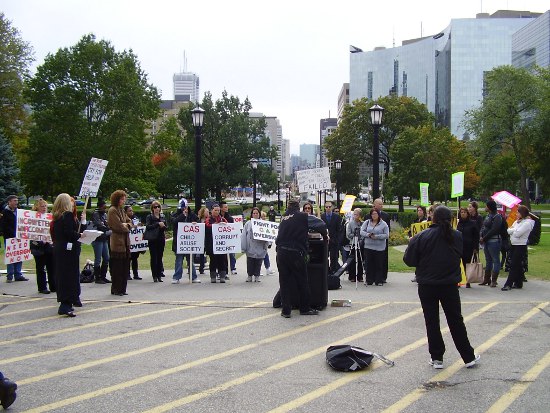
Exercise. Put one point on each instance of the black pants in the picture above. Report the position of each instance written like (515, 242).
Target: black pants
(44, 263)
(254, 266)
(120, 267)
(374, 266)
(516, 273)
(334, 253)
(156, 249)
(134, 261)
(449, 297)
(292, 274)
(218, 264)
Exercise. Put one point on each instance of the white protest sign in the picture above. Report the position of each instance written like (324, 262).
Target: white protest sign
(33, 225)
(264, 230)
(226, 238)
(190, 238)
(457, 184)
(137, 243)
(310, 180)
(93, 177)
(17, 250)
(238, 219)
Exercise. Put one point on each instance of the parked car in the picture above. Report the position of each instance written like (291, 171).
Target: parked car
(145, 202)
(79, 202)
(131, 201)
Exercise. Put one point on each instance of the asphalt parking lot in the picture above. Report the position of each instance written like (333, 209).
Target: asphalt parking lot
(223, 348)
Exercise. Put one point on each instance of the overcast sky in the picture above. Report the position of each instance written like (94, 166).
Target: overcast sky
(289, 57)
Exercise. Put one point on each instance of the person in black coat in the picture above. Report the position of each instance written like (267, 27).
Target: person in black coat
(183, 214)
(470, 236)
(156, 222)
(334, 227)
(436, 253)
(42, 252)
(66, 233)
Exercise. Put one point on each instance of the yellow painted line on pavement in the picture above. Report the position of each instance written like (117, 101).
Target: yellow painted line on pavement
(321, 391)
(112, 338)
(144, 350)
(413, 396)
(278, 366)
(29, 310)
(54, 317)
(30, 300)
(519, 388)
(218, 356)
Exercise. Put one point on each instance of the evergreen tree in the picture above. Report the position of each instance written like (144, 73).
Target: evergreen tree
(9, 171)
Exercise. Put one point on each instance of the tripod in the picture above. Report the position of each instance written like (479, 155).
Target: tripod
(358, 256)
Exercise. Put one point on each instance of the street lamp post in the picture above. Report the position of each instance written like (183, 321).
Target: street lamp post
(278, 194)
(198, 120)
(254, 166)
(338, 166)
(376, 113)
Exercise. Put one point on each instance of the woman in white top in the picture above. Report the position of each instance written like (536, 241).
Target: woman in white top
(519, 235)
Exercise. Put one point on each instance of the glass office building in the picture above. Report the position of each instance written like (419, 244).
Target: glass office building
(531, 44)
(444, 71)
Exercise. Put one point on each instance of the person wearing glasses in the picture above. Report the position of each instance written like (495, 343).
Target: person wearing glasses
(334, 226)
(308, 208)
(156, 222)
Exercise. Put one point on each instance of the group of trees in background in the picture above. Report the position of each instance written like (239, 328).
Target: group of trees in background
(90, 100)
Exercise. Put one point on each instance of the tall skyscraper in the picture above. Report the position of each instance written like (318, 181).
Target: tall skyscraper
(186, 87)
(326, 126)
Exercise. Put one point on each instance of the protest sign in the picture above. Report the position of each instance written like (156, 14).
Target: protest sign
(264, 230)
(310, 180)
(190, 239)
(137, 243)
(419, 227)
(17, 250)
(93, 177)
(424, 198)
(238, 219)
(347, 205)
(33, 225)
(457, 184)
(226, 238)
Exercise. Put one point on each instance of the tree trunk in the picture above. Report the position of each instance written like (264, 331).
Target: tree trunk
(523, 175)
(400, 202)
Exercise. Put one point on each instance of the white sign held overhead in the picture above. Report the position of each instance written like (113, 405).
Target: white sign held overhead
(310, 180)
(93, 177)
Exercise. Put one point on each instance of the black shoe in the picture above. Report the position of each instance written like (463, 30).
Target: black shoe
(78, 303)
(46, 291)
(311, 311)
(129, 277)
(369, 283)
(160, 280)
(137, 277)
(468, 285)
(106, 281)
(506, 288)
(7, 392)
(285, 315)
(21, 278)
(67, 313)
(100, 281)
(379, 284)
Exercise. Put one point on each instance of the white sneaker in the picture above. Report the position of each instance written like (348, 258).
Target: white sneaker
(473, 362)
(234, 272)
(174, 281)
(257, 279)
(436, 364)
(269, 271)
(196, 281)
(249, 279)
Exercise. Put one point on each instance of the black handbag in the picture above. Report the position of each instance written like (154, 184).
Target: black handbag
(350, 358)
(151, 234)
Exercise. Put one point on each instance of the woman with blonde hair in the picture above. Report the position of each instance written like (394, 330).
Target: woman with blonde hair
(120, 224)
(65, 230)
(42, 251)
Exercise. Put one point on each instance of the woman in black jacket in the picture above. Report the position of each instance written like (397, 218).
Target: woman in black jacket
(156, 222)
(436, 254)
(42, 251)
(470, 236)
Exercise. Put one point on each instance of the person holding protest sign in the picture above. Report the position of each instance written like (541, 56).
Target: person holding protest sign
(66, 232)
(101, 243)
(224, 212)
(254, 249)
(203, 214)
(42, 252)
(134, 255)
(334, 226)
(183, 214)
(120, 225)
(267, 263)
(155, 224)
(8, 222)
(218, 262)
(436, 253)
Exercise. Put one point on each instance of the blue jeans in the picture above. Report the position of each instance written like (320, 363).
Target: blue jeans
(492, 255)
(232, 261)
(178, 270)
(101, 251)
(266, 261)
(14, 270)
